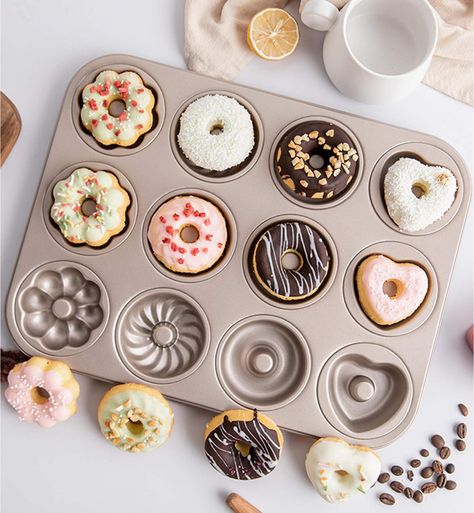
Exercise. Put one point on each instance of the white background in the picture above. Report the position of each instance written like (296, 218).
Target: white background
(71, 468)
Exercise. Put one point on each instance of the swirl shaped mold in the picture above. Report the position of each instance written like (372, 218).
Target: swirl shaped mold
(162, 335)
(60, 308)
(263, 362)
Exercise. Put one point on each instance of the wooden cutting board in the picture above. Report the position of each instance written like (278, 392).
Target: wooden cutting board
(10, 127)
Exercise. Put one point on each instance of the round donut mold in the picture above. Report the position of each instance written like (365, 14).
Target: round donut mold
(162, 335)
(372, 417)
(144, 140)
(229, 248)
(299, 200)
(263, 362)
(233, 172)
(399, 252)
(258, 289)
(114, 241)
(61, 291)
(417, 151)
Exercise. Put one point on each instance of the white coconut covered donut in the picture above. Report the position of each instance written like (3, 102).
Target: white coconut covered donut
(410, 213)
(339, 470)
(219, 151)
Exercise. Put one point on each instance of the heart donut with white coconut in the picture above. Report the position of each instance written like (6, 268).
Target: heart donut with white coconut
(417, 194)
(339, 470)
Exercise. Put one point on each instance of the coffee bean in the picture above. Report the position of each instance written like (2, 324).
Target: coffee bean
(461, 430)
(427, 472)
(424, 453)
(384, 477)
(418, 496)
(396, 486)
(408, 492)
(410, 475)
(463, 409)
(428, 487)
(444, 453)
(460, 445)
(451, 485)
(397, 470)
(441, 481)
(387, 499)
(437, 466)
(437, 441)
(450, 468)
(415, 463)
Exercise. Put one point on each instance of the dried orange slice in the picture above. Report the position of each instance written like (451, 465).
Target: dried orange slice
(273, 34)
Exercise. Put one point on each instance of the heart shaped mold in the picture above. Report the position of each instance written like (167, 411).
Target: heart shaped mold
(365, 391)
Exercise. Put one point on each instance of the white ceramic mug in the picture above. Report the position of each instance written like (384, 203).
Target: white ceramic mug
(375, 51)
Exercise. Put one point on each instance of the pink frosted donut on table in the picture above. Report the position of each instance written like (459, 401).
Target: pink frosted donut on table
(470, 338)
(411, 288)
(165, 234)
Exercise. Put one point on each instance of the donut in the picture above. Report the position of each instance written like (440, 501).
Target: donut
(338, 162)
(135, 418)
(410, 212)
(243, 444)
(410, 284)
(165, 234)
(306, 243)
(42, 391)
(109, 216)
(216, 151)
(339, 470)
(469, 337)
(135, 120)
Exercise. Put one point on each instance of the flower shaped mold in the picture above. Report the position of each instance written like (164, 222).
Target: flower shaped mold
(162, 335)
(60, 308)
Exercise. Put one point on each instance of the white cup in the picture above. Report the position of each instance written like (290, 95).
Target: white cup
(375, 51)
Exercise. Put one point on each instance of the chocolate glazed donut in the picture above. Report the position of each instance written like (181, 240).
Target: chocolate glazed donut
(291, 237)
(338, 157)
(243, 445)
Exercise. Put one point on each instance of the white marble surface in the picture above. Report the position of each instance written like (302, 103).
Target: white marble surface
(70, 467)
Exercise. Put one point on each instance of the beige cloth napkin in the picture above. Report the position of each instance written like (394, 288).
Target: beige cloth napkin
(216, 41)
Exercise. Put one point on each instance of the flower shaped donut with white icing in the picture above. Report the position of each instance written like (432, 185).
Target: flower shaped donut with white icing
(135, 120)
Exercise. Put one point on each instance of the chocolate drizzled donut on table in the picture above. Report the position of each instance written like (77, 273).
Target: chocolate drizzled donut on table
(291, 237)
(332, 144)
(242, 444)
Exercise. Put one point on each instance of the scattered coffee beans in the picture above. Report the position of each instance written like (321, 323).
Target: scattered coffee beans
(427, 472)
(410, 475)
(428, 488)
(437, 466)
(460, 445)
(384, 477)
(437, 441)
(463, 409)
(444, 453)
(441, 481)
(418, 496)
(415, 463)
(451, 485)
(396, 470)
(387, 499)
(461, 430)
(408, 492)
(396, 486)
(424, 453)
(450, 468)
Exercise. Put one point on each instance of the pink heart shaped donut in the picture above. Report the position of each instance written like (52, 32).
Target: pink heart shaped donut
(409, 281)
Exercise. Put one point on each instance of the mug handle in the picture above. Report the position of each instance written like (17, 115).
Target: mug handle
(318, 14)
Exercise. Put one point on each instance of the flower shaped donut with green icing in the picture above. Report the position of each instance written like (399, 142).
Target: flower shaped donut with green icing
(136, 118)
(109, 216)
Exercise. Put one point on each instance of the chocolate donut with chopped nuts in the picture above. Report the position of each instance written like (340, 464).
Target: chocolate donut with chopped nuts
(335, 147)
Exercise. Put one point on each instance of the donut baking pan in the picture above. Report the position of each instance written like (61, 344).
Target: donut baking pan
(218, 339)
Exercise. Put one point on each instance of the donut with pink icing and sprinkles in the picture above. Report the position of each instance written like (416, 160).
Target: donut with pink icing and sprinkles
(171, 247)
(42, 391)
(135, 120)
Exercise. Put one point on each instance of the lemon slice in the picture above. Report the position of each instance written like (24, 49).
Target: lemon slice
(273, 34)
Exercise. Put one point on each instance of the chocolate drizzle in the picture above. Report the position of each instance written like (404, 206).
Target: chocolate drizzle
(301, 239)
(226, 458)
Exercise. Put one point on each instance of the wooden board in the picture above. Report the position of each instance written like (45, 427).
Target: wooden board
(10, 127)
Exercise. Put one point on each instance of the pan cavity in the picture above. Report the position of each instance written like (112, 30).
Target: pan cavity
(263, 362)
(162, 335)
